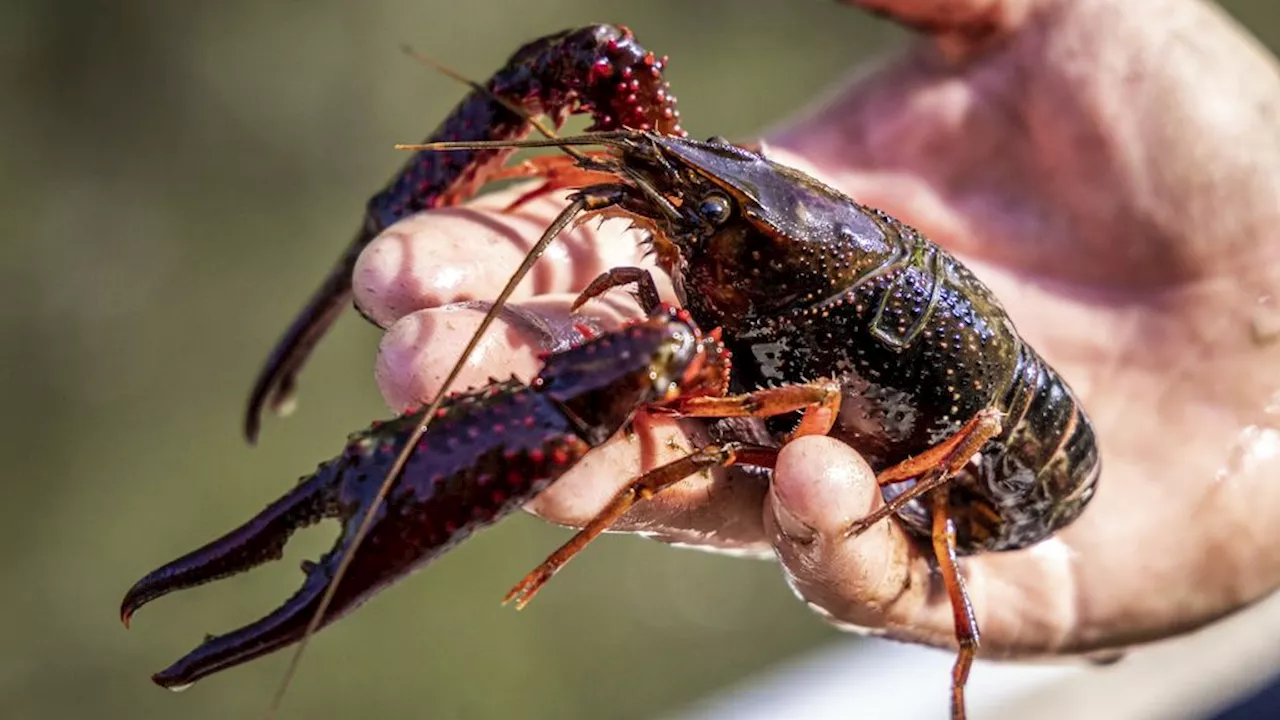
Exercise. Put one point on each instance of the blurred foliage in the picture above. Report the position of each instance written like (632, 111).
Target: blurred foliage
(176, 178)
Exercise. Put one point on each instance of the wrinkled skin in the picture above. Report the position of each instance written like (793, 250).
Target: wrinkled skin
(1112, 171)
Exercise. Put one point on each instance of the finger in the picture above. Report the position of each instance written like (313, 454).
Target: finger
(971, 20)
(418, 351)
(820, 486)
(882, 581)
(469, 253)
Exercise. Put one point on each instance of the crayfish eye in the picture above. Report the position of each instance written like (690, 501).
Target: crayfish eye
(717, 140)
(715, 208)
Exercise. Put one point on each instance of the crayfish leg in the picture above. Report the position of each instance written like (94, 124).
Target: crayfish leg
(935, 466)
(944, 549)
(819, 401)
(646, 289)
(642, 488)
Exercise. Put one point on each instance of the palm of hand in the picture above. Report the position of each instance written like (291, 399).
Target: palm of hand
(1103, 201)
(1116, 196)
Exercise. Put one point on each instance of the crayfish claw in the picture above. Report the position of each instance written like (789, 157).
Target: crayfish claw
(343, 488)
(252, 544)
(257, 541)
(281, 628)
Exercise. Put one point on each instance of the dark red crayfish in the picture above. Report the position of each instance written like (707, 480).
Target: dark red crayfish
(598, 70)
(978, 444)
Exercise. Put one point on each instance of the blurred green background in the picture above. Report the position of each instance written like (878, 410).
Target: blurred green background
(176, 178)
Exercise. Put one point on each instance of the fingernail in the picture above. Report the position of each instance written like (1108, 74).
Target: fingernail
(791, 526)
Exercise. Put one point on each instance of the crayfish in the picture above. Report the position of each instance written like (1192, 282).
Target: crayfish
(837, 311)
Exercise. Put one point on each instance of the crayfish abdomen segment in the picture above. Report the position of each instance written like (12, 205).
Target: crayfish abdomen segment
(1042, 472)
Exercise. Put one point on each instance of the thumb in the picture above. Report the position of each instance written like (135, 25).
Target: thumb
(876, 580)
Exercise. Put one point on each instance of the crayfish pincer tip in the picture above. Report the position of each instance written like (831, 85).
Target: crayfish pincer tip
(178, 676)
(140, 594)
(168, 684)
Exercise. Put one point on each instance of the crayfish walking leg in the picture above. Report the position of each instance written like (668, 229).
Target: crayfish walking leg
(944, 549)
(933, 469)
(820, 402)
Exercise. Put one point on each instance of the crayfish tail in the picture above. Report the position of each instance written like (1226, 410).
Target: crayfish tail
(253, 543)
(279, 629)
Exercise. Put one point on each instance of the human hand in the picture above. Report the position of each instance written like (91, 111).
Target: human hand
(1111, 171)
